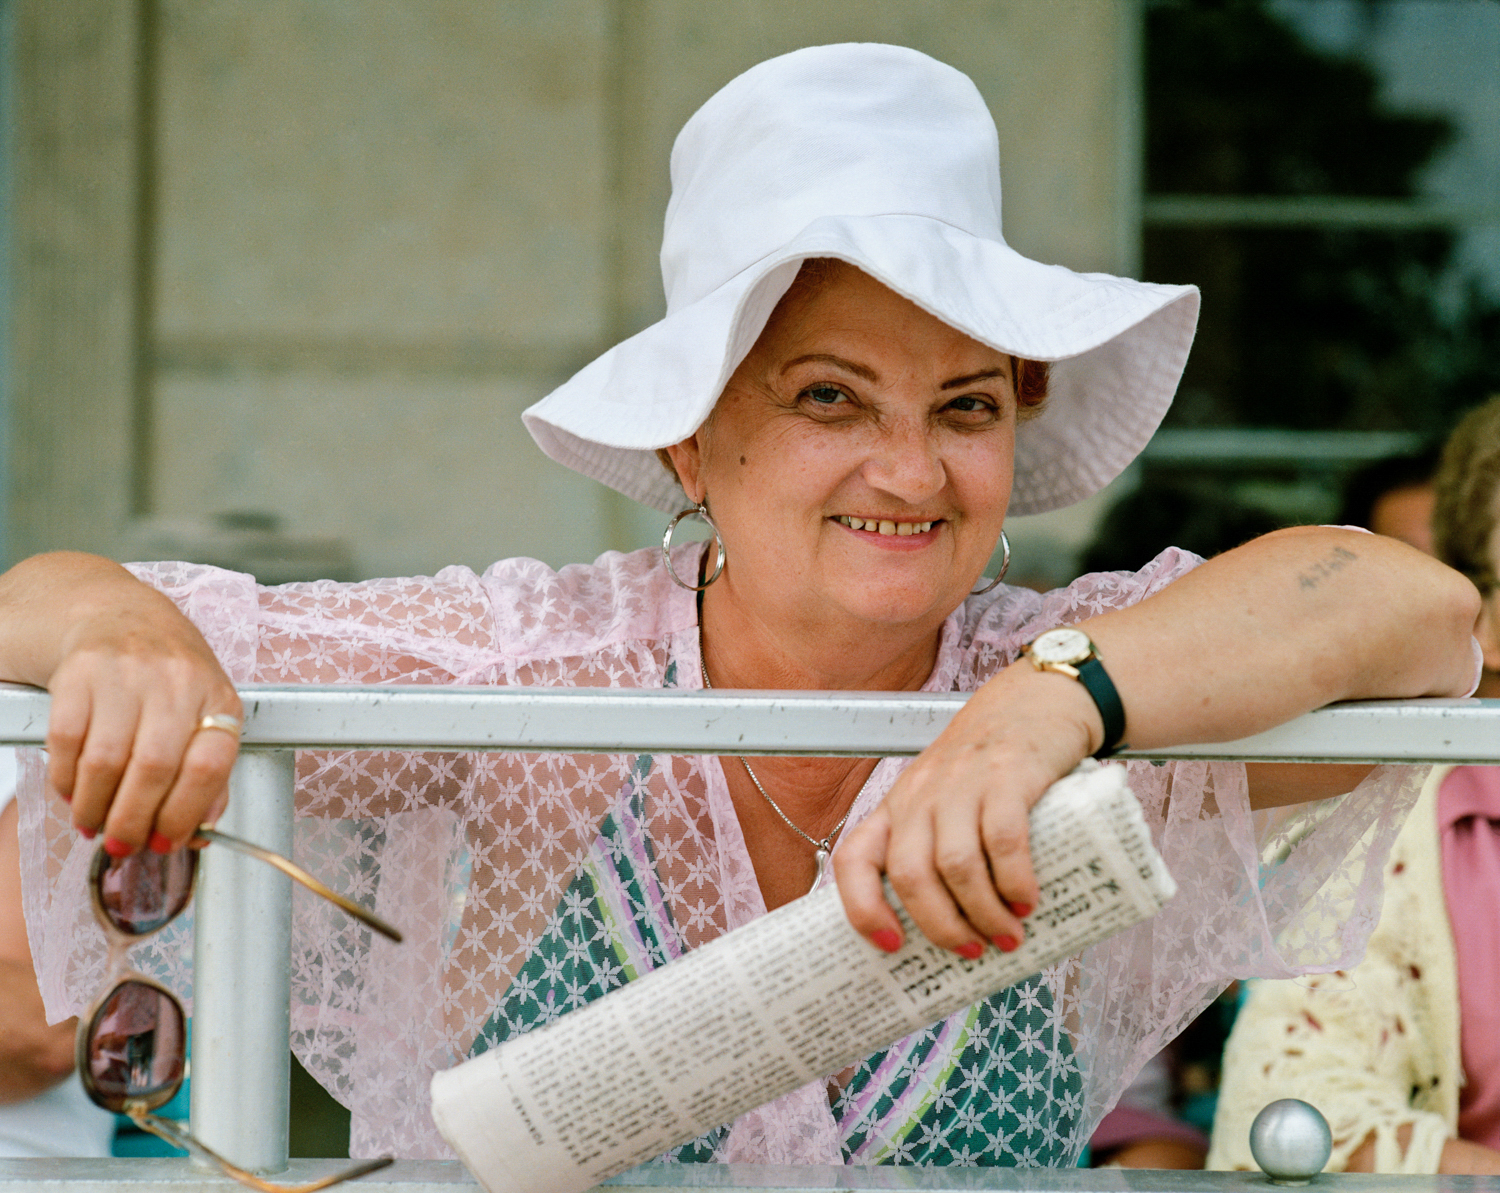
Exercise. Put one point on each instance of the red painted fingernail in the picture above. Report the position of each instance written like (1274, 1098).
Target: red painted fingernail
(1022, 910)
(970, 951)
(87, 834)
(1007, 944)
(886, 940)
(117, 848)
(159, 843)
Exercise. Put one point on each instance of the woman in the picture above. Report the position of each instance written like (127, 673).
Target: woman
(848, 378)
(1402, 1054)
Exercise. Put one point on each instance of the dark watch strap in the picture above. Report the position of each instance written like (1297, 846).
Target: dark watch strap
(1096, 681)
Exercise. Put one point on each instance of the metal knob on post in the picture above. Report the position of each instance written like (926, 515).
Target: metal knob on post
(1291, 1141)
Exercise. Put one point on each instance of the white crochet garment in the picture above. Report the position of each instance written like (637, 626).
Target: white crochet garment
(474, 855)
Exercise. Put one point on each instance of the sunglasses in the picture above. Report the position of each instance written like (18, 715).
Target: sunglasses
(132, 1042)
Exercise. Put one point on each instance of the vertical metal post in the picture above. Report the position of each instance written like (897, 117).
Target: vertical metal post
(242, 974)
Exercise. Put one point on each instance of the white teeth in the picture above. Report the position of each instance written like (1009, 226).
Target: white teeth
(903, 528)
(887, 527)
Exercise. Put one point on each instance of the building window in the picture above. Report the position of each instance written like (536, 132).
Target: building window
(1328, 171)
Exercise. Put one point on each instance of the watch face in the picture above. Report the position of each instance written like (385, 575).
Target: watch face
(1062, 646)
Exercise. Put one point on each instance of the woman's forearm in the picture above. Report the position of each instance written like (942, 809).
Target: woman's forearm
(45, 600)
(33, 1055)
(1462, 1158)
(1251, 639)
(1459, 1158)
(131, 681)
(1285, 624)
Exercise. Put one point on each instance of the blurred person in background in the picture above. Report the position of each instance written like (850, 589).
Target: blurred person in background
(1394, 497)
(1161, 514)
(1402, 1053)
(43, 1109)
(1162, 1118)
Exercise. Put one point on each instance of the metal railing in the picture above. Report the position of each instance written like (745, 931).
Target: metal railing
(242, 989)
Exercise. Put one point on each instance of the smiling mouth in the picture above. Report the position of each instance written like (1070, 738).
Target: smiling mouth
(885, 525)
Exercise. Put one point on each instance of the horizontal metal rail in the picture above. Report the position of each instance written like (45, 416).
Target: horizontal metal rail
(1312, 211)
(239, 1102)
(448, 1176)
(851, 724)
(1257, 447)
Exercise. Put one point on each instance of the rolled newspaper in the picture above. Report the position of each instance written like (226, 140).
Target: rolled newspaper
(791, 997)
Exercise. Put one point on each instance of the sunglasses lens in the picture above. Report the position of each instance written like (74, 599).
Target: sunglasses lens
(137, 1048)
(142, 892)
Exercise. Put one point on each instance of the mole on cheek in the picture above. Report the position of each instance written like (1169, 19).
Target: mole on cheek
(742, 460)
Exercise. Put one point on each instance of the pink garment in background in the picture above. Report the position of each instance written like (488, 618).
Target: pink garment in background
(472, 854)
(1135, 1124)
(1144, 1112)
(1469, 822)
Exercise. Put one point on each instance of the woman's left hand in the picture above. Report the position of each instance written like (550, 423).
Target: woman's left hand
(952, 834)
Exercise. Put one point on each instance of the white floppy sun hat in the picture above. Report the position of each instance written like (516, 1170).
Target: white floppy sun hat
(887, 159)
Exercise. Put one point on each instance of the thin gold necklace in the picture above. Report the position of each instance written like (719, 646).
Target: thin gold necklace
(822, 848)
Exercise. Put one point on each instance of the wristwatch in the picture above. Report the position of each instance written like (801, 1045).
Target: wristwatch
(1071, 652)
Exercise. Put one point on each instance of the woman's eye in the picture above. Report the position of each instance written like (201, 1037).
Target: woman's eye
(825, 395)
(971, 405)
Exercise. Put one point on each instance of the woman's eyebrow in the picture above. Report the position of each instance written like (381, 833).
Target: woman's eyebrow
(827, 358)
(970, 378)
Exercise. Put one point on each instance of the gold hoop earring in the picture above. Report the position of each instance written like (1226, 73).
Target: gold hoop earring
(700, 511)
(1004, 567)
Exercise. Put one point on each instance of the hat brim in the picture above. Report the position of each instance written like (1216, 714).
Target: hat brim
(1118, 348)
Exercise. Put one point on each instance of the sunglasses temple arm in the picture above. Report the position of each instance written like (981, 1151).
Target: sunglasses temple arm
(297, 874)
(168, 1130)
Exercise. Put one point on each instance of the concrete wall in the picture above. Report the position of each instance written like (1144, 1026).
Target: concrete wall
(313, 257)
(74, 263)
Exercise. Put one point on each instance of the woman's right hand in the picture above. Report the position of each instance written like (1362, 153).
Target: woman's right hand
(952, 835)
(131, 682)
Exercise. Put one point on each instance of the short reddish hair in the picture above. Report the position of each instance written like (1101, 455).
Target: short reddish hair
(1031, 377)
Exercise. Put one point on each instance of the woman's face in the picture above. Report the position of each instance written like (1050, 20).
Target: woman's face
(859, 459)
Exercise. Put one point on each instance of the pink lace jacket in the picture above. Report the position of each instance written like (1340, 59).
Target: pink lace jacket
(527, 884)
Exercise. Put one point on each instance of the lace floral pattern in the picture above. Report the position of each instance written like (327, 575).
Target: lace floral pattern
(479, 856)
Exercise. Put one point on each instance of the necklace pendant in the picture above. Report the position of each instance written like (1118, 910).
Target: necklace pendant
(821, 858)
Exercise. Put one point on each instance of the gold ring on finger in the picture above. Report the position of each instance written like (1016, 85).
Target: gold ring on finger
(222, 721)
